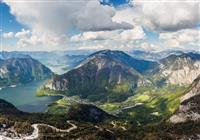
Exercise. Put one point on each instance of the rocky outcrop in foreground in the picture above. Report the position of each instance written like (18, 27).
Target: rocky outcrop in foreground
(189, 109)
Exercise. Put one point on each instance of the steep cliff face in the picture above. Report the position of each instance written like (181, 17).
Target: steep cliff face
(21, 70)
(99, 74)
(180, 69)
(189, 109)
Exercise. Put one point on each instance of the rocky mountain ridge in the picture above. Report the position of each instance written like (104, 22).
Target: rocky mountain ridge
(179, 69)
(15, 71)
(108, 71)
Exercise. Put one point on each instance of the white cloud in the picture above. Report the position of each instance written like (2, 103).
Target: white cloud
(62, 16)
(96, 17)
(24, 38)
(101, 35)
(27, 39)
(119, 45)
(8, 35)
(175, 21)
(22, 34)
(134, 34)
(123, 35)
(92, 47)
(125, 14)
(51, 21)
(162, 15)
(146, 46)
(181, 38)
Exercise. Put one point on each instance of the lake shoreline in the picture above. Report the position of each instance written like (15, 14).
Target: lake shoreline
(24, 97)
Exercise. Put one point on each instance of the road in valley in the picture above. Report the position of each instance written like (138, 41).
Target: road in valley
(35, 133)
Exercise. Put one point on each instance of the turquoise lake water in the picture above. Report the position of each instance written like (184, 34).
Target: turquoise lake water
(24, 98)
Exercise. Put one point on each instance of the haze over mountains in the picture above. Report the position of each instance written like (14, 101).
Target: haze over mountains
(62, 61)
(59, 62)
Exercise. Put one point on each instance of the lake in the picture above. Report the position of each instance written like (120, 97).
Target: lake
(25, 99)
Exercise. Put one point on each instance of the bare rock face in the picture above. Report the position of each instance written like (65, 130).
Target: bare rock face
(189, 109)
(180, 69)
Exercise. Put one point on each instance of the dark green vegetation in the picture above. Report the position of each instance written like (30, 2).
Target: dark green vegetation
(61, 106)
(10, 114)
(114, 82)
(88, 113)
(163, 131)
(22, 70)
(103, 76)
(42, 91)
(22, 121)
(147, 106)
(113, 76)
(157, 103)
(108, 96)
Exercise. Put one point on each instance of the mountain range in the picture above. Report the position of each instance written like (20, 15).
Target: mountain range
(108, 95)
(14, 71)
(116, 74)
(58, 61)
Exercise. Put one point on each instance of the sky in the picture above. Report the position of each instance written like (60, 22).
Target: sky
(48, 25)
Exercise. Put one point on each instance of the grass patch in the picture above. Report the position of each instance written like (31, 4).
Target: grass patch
(157, 103)
(42, 91)
(110, 106)
(121, 88)
(139, 98)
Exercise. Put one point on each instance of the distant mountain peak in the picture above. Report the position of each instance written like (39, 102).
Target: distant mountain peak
(180, 69)
(174, 57)
(139, 65)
